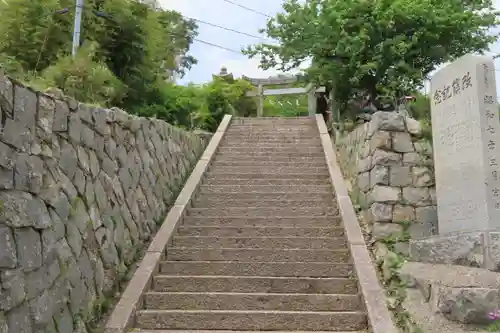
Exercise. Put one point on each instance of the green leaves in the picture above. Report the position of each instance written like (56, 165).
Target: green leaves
(138, 45)
(364, 45)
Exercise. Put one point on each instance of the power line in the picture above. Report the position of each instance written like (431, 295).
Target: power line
(217, 46)
(225, 28)
(249, 9)
(110, 18)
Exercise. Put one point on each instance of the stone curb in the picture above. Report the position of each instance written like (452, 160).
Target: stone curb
(122, 317)
(373, 294)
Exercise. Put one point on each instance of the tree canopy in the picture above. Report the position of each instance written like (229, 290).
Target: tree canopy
(378, 47)
(137, 44)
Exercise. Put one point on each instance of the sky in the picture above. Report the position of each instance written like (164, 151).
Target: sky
(220, 12)
(211, 59)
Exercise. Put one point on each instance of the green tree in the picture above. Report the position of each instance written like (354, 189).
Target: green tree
(138, 44)
(375, 46)
(84, 77)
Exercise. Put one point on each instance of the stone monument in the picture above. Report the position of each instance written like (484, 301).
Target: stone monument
(465, 129)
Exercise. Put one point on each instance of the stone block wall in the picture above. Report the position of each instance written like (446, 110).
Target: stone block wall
(82, 189)
(390, 170)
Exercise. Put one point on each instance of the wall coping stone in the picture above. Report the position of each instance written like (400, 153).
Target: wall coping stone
(373, 294)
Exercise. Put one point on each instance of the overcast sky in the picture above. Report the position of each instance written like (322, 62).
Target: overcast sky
(210, 59)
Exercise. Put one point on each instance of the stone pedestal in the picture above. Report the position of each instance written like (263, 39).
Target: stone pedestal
(466, 131)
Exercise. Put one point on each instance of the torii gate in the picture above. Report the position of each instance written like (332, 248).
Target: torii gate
(310, 90)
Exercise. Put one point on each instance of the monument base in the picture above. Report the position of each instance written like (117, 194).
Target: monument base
(474, 249)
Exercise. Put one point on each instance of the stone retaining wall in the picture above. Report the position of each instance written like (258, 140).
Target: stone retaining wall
(82, 189)
(390, 171)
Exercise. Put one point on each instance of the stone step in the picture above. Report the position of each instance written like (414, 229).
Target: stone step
(264, 145)
(262, 175)
(237, 121)
(278, 124)
(224, 210)
(276, 221)
(257, 255)
(278, 164)
(273, 159)
(217, 231)
(273, 131)
(268, 181)
(272, 139)
(238, 142)
(283, 196)
(233, 268)
(281, 125)
(250, 301)
(255, 284)
(319, 189)
(208, 201)
(258, 153)
(224, 331)
(282, 150)
(264, 169)
(260, 242)
(266, 141)
(250, 320)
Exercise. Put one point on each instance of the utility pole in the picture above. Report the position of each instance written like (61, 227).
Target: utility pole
(77, 26)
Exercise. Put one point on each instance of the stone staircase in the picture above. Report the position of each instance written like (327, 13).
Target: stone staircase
(261, 246)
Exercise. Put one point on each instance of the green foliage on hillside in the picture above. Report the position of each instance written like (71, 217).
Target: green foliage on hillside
(378, 47)
(286, 106)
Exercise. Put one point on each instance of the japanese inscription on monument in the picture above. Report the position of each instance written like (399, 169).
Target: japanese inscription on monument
(466, 131)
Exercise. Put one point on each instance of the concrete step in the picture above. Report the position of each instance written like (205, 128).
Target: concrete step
(240, 175)
(246, 154)
(276, 143)
(259, 242)
(266, 141)
(208, 201)
(283, 196)
(250, 301)
(275, 131)
(255, 284)
(278, 164)
(273, 159)
(319, 189)
(217, 231)
(211, 202)
(257, 149)
(277, 221)
(272, 139)
(265, 169)
(263, 145)
(272, 131)
(238, 121)
(315, 163)
(281, 125)
(257, 255)
(233, 268)
(294, 125)
(225, 331)
(224, 210)
(250, 320)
